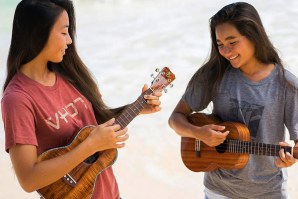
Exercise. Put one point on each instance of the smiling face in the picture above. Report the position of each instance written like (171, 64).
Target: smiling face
(58, 40)
(233, 46)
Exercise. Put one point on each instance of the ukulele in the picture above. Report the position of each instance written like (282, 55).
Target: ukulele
(232, 154)
(79, 182)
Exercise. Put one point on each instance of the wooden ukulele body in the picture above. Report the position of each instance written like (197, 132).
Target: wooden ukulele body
(210, 158)
(79, 182)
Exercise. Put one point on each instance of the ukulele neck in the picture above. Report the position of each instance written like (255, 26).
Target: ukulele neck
(238, 146)
(132, 110)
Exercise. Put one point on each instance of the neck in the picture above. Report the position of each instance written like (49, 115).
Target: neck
(257, 71)
(131, 111)
(247, 147)
(38, 71)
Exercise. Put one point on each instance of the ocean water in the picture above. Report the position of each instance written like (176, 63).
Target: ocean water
(122, 42)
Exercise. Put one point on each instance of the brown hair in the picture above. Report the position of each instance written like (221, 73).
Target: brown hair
(33, 21)
(248, 22)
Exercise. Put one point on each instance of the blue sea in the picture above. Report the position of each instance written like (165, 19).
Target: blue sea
(122, 42)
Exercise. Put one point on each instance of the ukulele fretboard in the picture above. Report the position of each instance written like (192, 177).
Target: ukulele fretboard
(238, 146)
(132, 110)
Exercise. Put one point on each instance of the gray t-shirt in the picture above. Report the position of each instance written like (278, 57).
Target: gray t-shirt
(265, 107)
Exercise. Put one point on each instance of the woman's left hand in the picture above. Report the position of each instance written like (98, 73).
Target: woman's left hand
(285, 159)
(152, 100)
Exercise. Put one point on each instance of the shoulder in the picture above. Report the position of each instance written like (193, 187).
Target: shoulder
(15, 94)
(15, 100)
(291, 78)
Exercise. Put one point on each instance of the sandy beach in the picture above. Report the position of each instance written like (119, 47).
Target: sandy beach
(123, 41)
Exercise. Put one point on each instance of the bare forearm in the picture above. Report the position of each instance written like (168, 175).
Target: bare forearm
(40, 174)
(179, 123)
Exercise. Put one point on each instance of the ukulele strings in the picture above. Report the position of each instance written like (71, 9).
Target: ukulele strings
(253, 147)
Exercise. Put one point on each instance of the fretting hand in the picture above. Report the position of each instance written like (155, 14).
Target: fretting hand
(152, 100)
(285, 159)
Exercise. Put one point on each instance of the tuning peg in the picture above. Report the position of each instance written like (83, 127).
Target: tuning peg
(171, 85)
(152, 75)
(165, 90)
(157, 70)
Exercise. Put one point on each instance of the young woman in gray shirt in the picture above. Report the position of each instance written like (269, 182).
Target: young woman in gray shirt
(246, 81)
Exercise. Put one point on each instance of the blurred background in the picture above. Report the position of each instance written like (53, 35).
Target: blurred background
(122, 42)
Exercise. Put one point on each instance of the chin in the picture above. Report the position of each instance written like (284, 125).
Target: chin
(235, 65)
(57, 60)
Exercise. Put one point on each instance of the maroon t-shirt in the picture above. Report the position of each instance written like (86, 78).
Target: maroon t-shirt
(47, 117)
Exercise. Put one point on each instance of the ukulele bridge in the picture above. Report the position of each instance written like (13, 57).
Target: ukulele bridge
(69, 180)
(198, 148)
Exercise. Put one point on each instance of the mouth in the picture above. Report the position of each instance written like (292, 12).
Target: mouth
(63, 51)
(233, 57)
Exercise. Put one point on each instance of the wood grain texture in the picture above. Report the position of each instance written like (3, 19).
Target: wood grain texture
(210, 159)
(84, 174)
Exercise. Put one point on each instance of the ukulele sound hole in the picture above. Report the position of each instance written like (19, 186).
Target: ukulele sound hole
(91, 159)
(222, 147)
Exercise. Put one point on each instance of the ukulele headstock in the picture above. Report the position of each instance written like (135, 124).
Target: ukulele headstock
(164, 78)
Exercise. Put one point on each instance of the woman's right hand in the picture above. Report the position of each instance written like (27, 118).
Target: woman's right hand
(107, 135)
(212, 134)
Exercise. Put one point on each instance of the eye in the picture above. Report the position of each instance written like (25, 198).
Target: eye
(219, 45)
(233, 43)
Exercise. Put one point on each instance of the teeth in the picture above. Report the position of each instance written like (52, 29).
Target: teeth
(233, 57)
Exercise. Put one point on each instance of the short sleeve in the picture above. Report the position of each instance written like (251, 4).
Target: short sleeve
(291, 106)
(18, 120)
(195, 95)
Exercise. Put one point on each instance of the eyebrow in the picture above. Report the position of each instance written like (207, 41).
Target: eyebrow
(228, 38)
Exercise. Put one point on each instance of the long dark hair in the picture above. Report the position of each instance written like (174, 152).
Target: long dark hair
(33, 21)
(248, 22)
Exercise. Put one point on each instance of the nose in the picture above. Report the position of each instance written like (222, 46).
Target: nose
(69, 40)
(226, 50)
